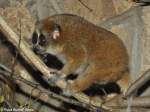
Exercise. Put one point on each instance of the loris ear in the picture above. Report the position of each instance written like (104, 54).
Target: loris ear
(56, 31)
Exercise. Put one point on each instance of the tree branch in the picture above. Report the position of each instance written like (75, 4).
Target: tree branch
(36, 86)
(120, 102)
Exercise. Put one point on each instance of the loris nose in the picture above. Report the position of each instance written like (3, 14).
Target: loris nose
(39, 50)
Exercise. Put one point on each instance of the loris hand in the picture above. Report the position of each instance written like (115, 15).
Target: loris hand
(68, 91)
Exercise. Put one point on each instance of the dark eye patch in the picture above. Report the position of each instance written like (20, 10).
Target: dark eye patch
(35, 38)
(42, 39)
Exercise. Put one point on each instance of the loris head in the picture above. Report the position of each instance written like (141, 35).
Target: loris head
(46, 33)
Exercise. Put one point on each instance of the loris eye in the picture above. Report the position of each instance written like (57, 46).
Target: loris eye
(42, 39)
(35, 38)
(56, 31)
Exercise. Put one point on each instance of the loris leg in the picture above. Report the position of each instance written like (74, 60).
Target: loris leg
(81, 84)
(69, 68)
(75, 59)
(124, 82)
(83, 81)
(93, 74)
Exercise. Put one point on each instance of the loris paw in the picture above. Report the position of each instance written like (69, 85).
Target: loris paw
(68, 90)
(71, 88)
(59, 73)
(56, 77)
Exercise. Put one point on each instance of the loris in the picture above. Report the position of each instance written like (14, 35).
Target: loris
(92, 52)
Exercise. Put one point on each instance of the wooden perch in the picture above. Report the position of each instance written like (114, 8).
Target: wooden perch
(138, 83)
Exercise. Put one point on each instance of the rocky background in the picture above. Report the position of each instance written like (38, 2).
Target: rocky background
(126, 19)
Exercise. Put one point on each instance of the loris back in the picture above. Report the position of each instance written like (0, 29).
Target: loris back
(86, 49)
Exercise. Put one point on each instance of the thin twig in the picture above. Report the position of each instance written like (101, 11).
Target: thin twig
(120, 102)
(16, 54)
(15, 62)
(3, 67)
(7, 79)
(91, 10)
(138, 83)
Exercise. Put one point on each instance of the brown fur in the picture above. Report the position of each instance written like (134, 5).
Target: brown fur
(99, 53)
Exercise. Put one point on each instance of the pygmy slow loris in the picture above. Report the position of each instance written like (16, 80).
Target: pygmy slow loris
(85, 49)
